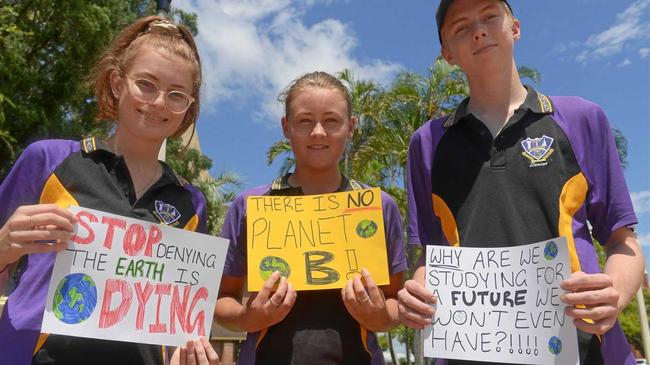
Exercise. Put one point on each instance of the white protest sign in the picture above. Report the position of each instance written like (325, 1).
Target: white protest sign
(500, 304)
(129, 280)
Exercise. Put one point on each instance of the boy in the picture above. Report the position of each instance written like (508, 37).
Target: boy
(512, 166)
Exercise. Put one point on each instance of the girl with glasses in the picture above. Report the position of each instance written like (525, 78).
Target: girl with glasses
(147, 81)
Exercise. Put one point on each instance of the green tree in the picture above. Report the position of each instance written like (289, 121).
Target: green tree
(47, 47)
(193, 166)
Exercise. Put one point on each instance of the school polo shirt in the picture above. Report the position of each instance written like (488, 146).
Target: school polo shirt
(553, 168)
(88, 175)
(318, 329)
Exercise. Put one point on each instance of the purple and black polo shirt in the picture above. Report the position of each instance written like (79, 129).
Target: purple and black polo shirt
(553, 168)
(318, 329)
(85, 174)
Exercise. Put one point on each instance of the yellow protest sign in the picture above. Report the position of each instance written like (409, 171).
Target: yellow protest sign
(316, 241)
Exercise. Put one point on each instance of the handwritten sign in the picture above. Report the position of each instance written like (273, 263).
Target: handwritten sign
(316, 241)
(500, 304)
(130, 280)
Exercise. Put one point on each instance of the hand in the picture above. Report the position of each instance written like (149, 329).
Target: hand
(35, 229)
(366, 305)
(591, 297)
(266, 308)
(199, 352)
(415, 305)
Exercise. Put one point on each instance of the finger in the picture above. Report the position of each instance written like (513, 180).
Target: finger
(263, 294)
(183, 356)
(344, 291)
(580, 281)
(40, 235)
(213, 357)
(419, 291)
(288, 302)
(33, 210)
(290, 297)
(191, 354)
(277, 297)
(43, 208)
(412, 324)
(597, 328)
(376, 295)
(591, 298)
(201, 358)
(593, 313)
(29, 248)
(359, 291)
(415, 317)
(414, 304)
(20, 222)
(53, 218)
(352, 306)
(348, 294)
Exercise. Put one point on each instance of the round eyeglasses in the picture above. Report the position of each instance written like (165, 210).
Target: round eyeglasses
(148, 91)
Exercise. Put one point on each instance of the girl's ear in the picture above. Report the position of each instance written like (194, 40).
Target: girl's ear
(285, 127)
(116, 83)
(516, 29)
(351, 125)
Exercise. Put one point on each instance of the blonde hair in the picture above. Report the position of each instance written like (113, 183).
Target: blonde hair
(152, 31)
(316, 79)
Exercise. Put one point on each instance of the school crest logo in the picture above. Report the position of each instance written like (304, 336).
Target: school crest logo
(166, 213)
(537, 150)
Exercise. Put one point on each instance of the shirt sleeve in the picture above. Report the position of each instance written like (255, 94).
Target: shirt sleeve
(423, 226)
(609, 203)
(234, 230)
(394, 235)
(24, 183)
(201, 208)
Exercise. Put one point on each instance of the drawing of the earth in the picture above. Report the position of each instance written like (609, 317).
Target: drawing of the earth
(555, 345)
(269, 264)
(75, 298)
(366, 228)
(550, 251)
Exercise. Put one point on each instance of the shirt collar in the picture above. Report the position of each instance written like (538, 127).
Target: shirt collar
(281, 185)
(535, 102)
(92, 145)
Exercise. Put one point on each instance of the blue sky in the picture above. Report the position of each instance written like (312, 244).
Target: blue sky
(251, 49)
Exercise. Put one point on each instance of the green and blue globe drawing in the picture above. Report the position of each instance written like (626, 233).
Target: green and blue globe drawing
(269, 264)
(555, 345)
(550, 251)
(366, 228)
(75, 298)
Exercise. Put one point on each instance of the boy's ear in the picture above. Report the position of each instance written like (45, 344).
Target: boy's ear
(444, 52)
(116, 83)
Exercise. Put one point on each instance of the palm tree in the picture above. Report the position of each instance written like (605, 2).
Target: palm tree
(192, 165)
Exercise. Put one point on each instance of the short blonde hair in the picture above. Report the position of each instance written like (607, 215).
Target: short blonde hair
(316, 79)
